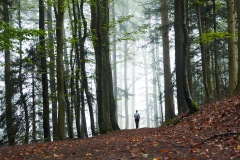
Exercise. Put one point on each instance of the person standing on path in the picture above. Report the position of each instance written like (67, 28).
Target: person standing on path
(137, 117)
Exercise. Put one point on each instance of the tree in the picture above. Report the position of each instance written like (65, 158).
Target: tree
(179, 38)
(146, 87)
(231, 46)
(238, 22)
(203, 55)
(42, 52)
(60, 76)
(75, 81)
(21, 80)
(191, 104)
(83, 53)
(100, 29)
(216, 68)
(8, 82)
(52, 66)
(168, 86)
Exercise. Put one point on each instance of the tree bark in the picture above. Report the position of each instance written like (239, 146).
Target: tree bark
(20, 78)
(42, 52)
(52, 66)
(216, 70)
(203, 55)
(60, 76)
(126, 82)
(182, 105)
(100, 28)
(238, 22)
(168, 86)
(77, 72)
(8, 81)
(191, 105)
(231, 46)
(146, 88)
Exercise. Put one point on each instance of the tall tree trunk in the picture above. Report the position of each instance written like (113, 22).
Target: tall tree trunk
(106, 72)
(113, 79)
(168, 86)
(238, 22)
(191, 105)
(66, 87)
(84, 80)
(126, 83)
(8, 80)
(182, 105)
(42, 52)
(52, 67)
(77, 71)
(112, 101)
(146, 88)
(203, 55)
(216, 73)
(33, 107)
(60, 76)
(231, 46)
(133, 89)
(155, 116)
(20, 78)
(114, 56)
(99, 27)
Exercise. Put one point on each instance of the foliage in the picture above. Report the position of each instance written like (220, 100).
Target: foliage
(9, 33)
(211, 36)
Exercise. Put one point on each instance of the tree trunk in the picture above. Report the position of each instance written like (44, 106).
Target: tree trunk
(191, 105)
(77, 72)
(146, 88)
(126, 83)
(106, 70)
(20, 79)
(203, 55)
(34, 128)
(182, 105)
(168, 86)
(66, 87)
(52, 67)
(238, 22)
(231, 46)
(42, 52)
(155, 116)
(216, 70)
(83, 68)
(99, 27)
(114, 57)
(60, 76)
(112, 101)
(133, 90)
(8, 81)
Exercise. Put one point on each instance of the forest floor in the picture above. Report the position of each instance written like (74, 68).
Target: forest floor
(212, 133)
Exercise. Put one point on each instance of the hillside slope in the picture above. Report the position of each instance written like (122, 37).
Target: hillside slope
(212, 133)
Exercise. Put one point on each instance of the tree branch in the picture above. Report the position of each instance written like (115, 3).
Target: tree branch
(218, 135)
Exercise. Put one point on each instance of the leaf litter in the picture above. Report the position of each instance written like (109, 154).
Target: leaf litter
(211, 133)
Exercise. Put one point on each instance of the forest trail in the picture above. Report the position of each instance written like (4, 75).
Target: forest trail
(211, 133)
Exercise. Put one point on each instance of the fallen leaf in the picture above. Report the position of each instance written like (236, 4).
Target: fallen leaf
(238, 147)
(58, 155)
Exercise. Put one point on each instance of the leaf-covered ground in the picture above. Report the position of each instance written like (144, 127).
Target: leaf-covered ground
(212, 133)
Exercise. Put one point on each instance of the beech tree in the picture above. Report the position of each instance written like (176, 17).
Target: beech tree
(42, 52)
(231, 46)
(8, 79)
(168, 86)
(179, 40)
(60, 76)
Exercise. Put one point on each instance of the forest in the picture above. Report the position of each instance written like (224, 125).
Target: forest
(80, 68)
